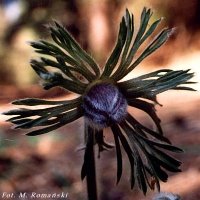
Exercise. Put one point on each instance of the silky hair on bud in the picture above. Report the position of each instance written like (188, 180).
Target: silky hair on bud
(167, 196)
(104, 105)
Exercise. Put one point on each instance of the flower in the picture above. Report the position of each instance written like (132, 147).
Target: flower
(103, 98)
(166, 196)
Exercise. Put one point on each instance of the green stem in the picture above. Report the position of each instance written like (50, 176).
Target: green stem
(91, 175)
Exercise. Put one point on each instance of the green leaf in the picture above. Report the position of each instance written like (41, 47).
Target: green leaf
(23, 119)
(119, 155)
(161, 174)
(40, 120)
(139, 81)
(127, 148)
(36, 102)
(44, 114)
(165, 165)
(143, 33)
(154, 45)
(164, 146)
(114, 57)
(139, 166)
(67, 118)
(184, 88)
(171, 83)
(149, 109)
(145, 17)
(165, 158)
(150, 168)
(149, 85)
(47, 48)
(129, 35)
(152, 28)
(44, 123)
(44, 47)
(145, 130)
(62, 66)
(68, 69)
(57, 79)
(73, 47)
(162, 159)
(155, 157)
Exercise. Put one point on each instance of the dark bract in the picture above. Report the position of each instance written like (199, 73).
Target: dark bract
(104, 104)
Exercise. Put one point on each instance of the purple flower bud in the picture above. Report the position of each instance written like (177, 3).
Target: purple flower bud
(167, 196)
(104, 105)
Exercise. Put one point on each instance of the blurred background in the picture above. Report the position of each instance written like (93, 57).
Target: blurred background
(51, 162)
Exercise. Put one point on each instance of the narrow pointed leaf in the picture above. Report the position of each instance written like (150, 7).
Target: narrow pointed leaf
(138, 82)
(128, 151)
(38, 121)
(145, 129)
(78, 50)
(149, 109)
(69, 117)
(36, 102)
(119, 155)
(129, 35)
(139, 166)
(168, 147)
(114, 57)
(184, 88)
(157, 42)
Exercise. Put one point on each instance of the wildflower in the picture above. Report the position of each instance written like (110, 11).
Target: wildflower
(104, 98)
(167, 196)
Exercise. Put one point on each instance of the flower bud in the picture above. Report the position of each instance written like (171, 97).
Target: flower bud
(104, 105)
(167, 196)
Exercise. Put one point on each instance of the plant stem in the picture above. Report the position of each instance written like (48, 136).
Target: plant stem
(91, 175)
